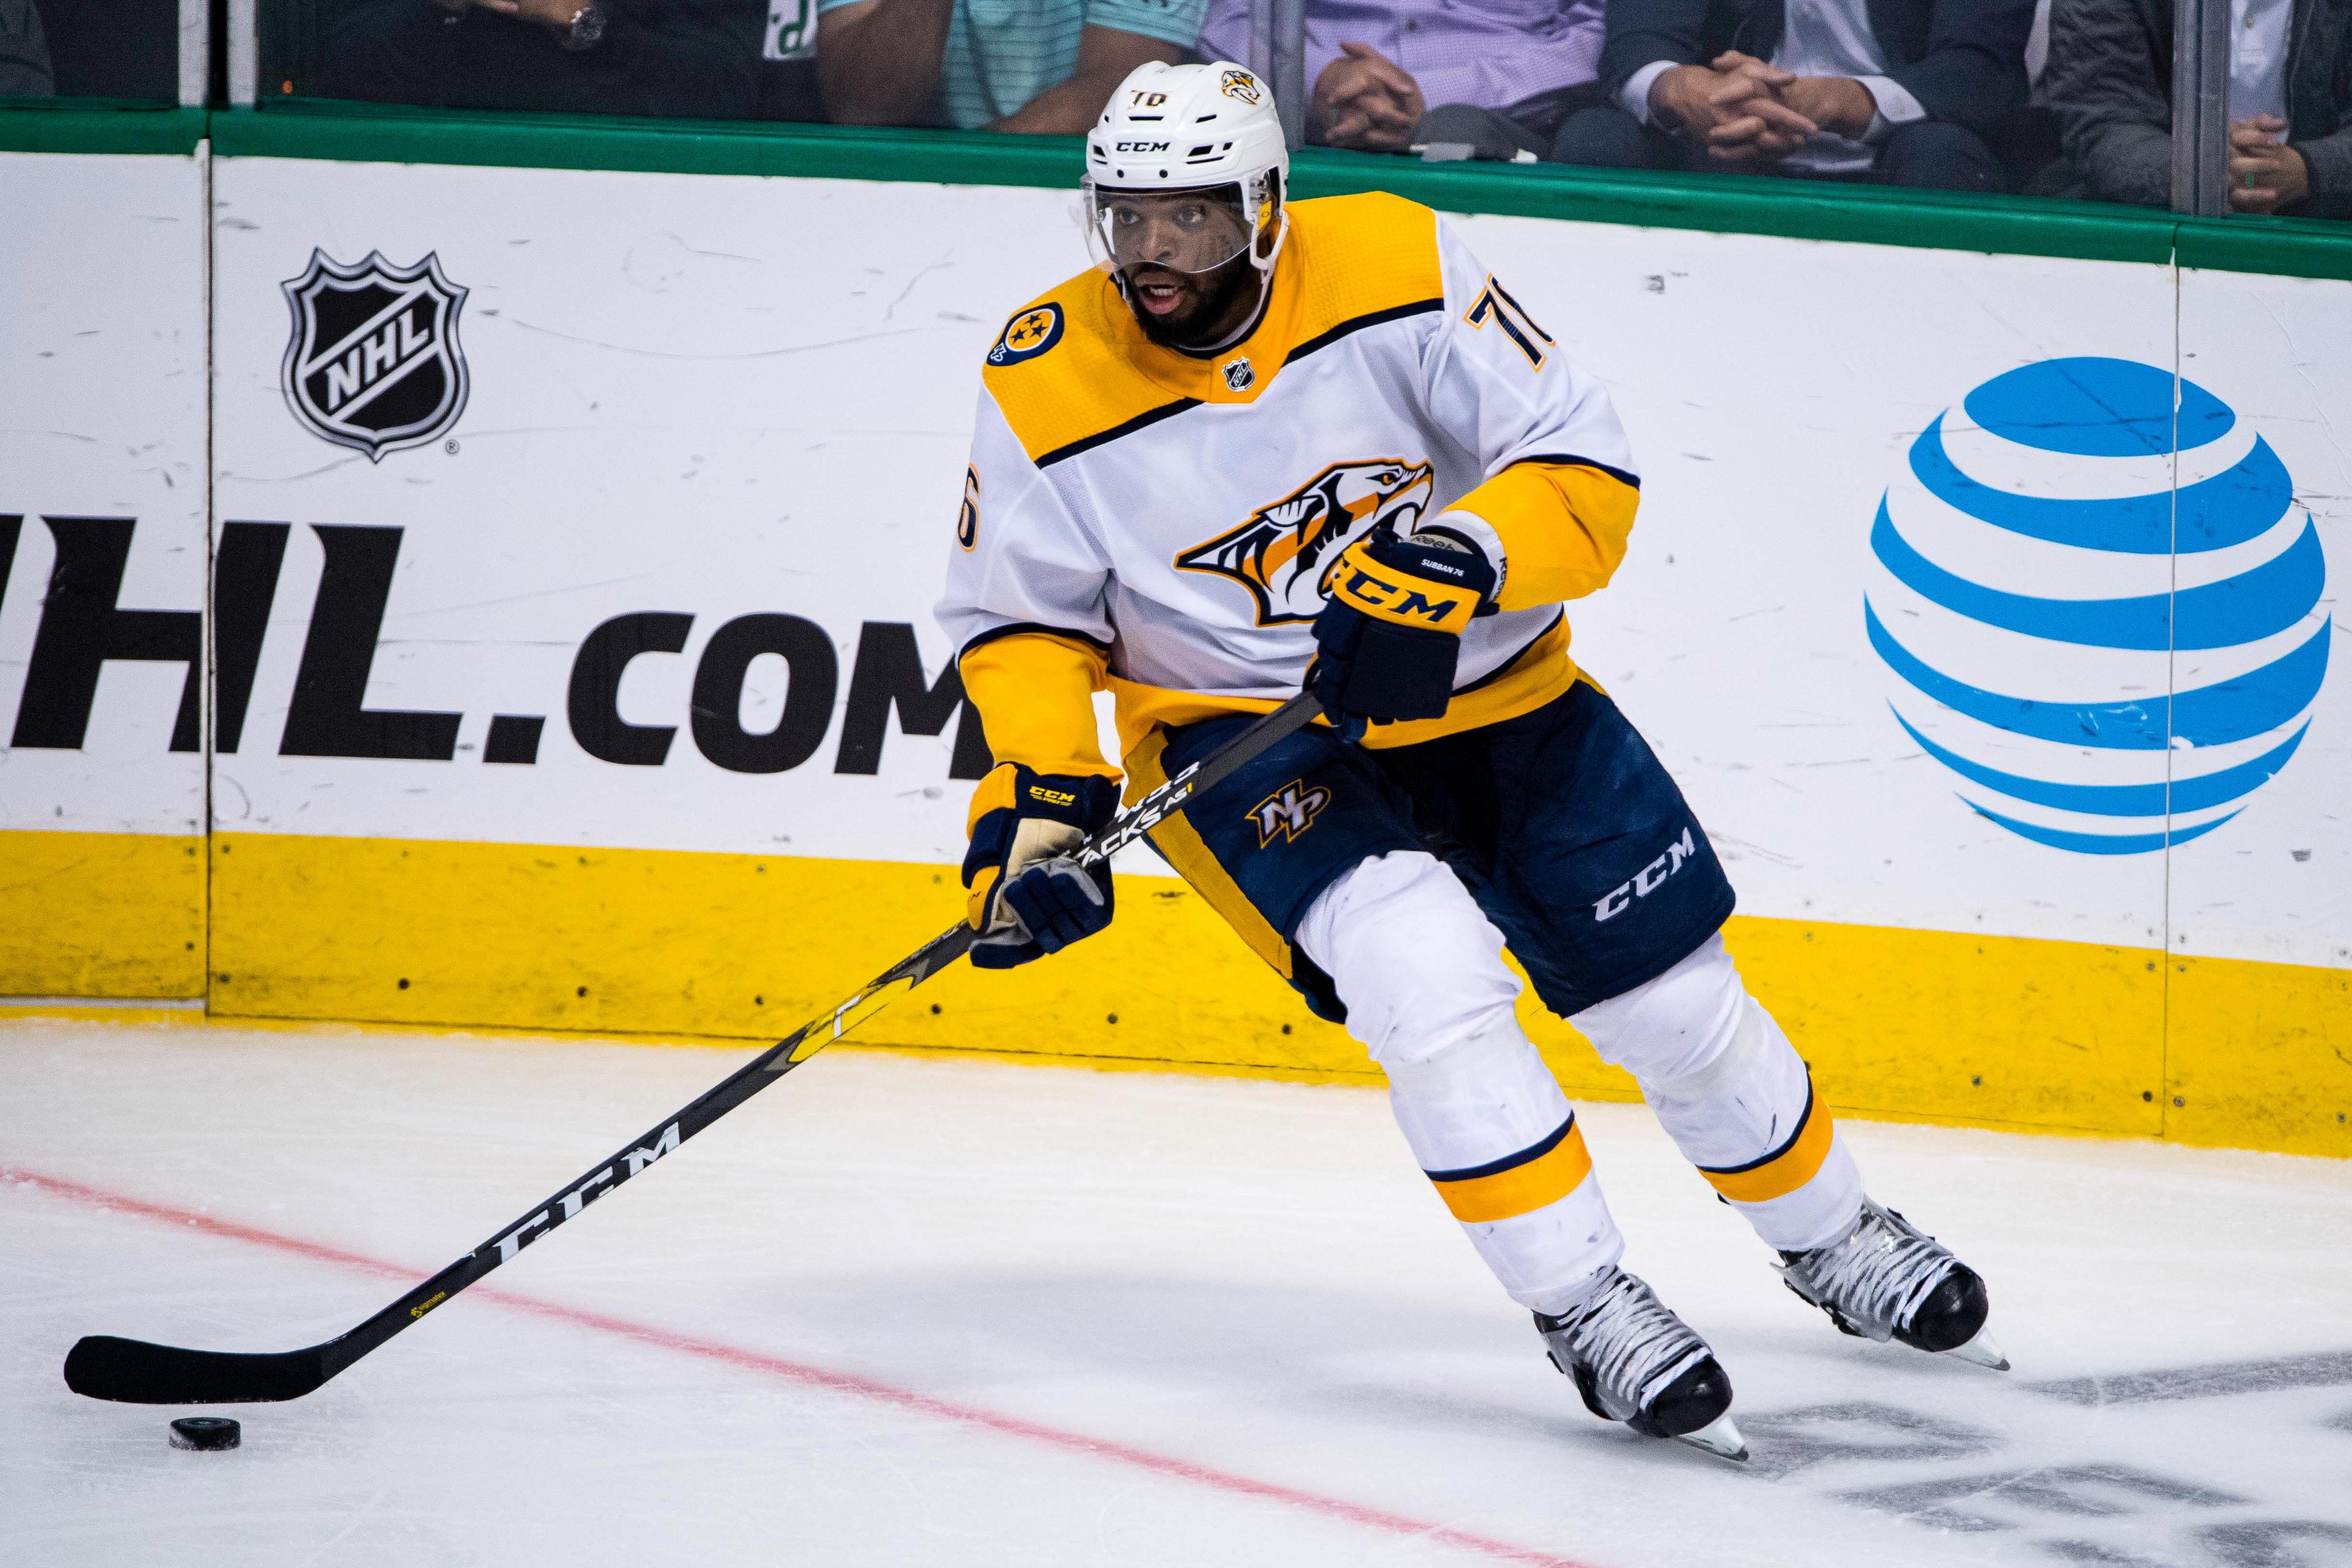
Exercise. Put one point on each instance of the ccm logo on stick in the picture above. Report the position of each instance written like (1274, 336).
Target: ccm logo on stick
(573, 1201)
(1647, 880)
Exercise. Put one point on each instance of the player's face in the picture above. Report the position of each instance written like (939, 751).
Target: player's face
(1176, 231)
(1189, 309)
(1183, 255)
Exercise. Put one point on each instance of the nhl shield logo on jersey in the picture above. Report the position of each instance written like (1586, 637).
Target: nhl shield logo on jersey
(1028, 334)
(1239, 375)
(373, 363)
(1288, 811)
(1281, 554)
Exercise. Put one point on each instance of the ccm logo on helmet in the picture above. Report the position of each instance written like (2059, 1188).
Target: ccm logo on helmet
(1143, 146)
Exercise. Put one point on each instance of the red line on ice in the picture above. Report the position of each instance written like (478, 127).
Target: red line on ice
(818, 1377)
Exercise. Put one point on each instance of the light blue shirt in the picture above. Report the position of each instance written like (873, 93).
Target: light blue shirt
(1003, 53)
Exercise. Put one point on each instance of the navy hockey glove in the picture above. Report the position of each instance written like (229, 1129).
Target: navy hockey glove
(1027, 897)
(1390, 629)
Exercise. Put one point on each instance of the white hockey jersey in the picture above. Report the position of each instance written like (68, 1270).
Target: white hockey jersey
(1162, 523)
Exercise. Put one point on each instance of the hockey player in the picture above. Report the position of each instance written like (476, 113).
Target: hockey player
(1265, 443)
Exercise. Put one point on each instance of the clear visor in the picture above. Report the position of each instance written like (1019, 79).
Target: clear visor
(1184, 231)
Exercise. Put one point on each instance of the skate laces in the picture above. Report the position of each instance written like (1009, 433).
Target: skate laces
(1632, 1343)
(1876, 1275)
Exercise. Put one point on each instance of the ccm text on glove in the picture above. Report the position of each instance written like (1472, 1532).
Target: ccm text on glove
(1027, 896)
(1389, 632)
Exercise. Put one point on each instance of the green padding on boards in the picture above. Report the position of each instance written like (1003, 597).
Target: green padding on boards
(317, 128)
(2283, 247)
(314, 128)
(94, 125)
(1730, 204)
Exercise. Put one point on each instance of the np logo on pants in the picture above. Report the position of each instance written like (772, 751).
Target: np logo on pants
(1288, 811)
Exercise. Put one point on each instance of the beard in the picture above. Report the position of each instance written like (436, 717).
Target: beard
(1210, 304)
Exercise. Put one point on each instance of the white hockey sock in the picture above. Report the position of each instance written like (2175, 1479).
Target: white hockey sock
(1421, 969)
(1496, 1138)
(1733, 1094)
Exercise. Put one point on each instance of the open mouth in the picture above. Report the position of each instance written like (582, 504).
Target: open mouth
(1161, 293)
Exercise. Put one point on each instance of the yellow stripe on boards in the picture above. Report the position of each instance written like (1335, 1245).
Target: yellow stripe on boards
(1898, 1024)
(673, 943)
(1523, 1189)
(101, 914)
(2259, 1056)
(1979, 1031)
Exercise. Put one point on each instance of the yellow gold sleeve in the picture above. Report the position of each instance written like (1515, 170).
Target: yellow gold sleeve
(1034, 690)
(1563, 528)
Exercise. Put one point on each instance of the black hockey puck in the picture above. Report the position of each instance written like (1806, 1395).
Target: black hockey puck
(207, 1433)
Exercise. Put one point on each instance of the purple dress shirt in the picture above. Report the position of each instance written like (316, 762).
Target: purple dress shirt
(1492, 53)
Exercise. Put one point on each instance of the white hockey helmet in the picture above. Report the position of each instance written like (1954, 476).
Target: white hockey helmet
(1210, 130)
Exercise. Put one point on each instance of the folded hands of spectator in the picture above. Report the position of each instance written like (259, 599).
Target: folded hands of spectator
(1364, 99)
(1838, 104)
(2265, 174)
(1734, 105)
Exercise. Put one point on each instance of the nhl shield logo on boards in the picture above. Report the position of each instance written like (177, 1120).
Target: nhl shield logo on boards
(373, 361)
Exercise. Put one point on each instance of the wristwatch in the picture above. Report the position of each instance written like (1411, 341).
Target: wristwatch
(587, 29)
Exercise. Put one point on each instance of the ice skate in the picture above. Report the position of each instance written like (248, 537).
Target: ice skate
(1633, 1361)
(1884, 1279)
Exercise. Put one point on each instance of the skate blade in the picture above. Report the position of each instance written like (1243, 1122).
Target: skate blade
(1719, 1438)
(1982, 1351)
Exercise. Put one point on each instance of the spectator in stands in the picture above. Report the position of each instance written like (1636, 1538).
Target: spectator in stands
(24, 52)
(2110, 78)
(690, 59)
(1901, 92)
(1044, 66)
(1501, 75)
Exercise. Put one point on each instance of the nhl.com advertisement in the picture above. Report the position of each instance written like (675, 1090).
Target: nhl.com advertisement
(556, 508)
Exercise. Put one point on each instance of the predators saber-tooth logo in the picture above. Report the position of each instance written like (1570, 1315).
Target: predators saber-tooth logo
(373, 361)
(1282, 553)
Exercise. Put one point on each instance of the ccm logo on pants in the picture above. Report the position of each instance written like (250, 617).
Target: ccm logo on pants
(1647, 880)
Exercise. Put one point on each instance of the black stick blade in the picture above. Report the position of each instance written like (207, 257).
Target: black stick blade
(136, 1373)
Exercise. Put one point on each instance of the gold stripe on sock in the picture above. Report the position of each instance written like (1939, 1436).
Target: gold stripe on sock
(1785, 1168)
(1517, 1184)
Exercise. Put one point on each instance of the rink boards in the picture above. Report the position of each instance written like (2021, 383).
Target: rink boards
(572, 665)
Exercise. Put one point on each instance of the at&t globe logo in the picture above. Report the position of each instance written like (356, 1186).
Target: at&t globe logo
(2105, 663)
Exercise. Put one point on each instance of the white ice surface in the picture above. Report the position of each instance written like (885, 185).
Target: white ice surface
(1239, 1284)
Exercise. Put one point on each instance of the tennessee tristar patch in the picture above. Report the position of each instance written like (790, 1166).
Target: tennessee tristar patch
(1028, 334)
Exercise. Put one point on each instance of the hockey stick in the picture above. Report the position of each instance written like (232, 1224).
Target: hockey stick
(137, 1373)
